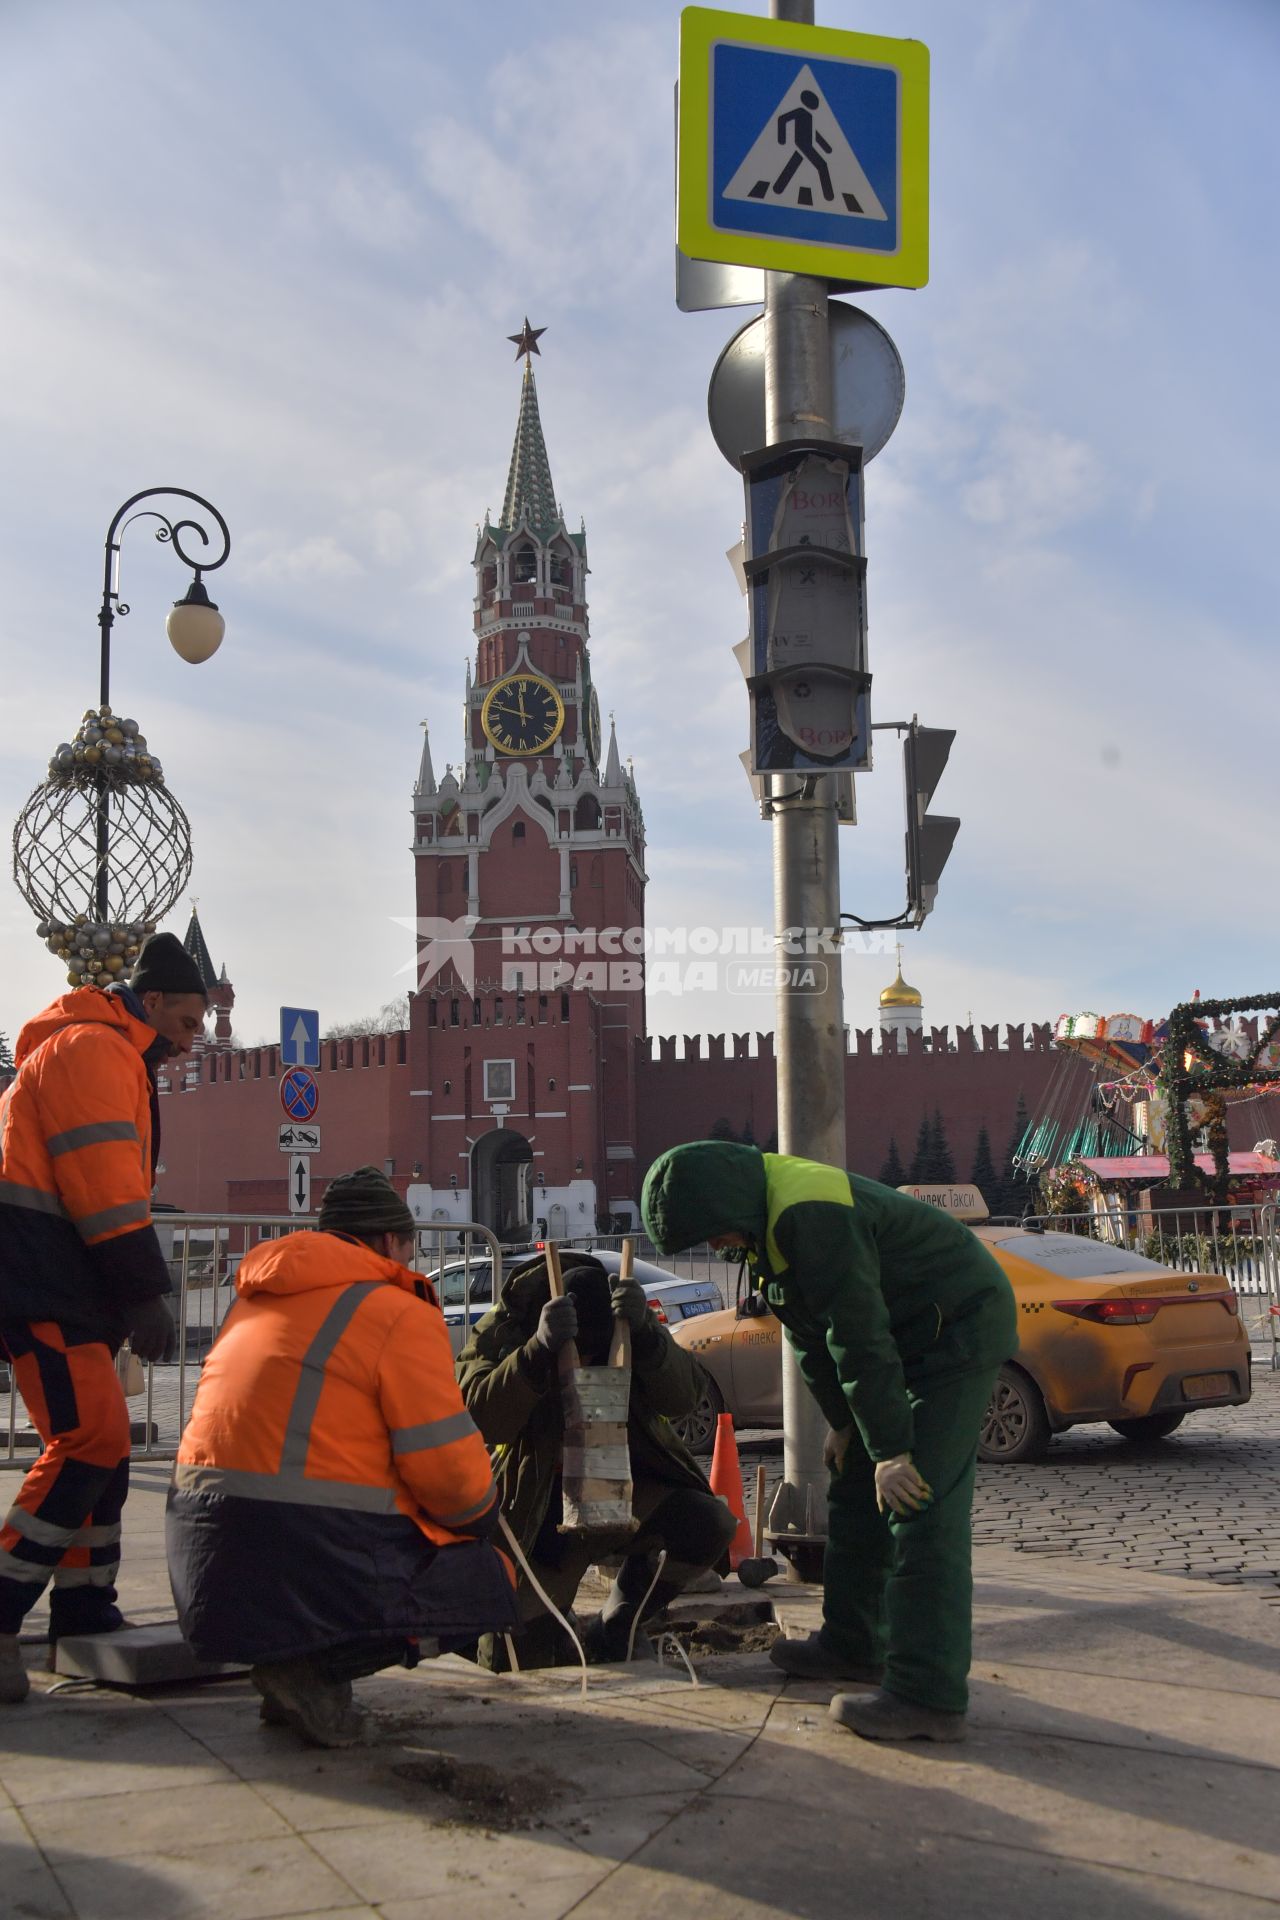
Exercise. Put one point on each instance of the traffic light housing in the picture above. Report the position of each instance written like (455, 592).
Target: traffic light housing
(930, 836)
(805, 569)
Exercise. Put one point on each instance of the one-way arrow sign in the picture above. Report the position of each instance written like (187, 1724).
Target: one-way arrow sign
(300, 1183)
(299, 1037)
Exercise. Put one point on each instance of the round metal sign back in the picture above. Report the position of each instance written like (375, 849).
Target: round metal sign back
(868, 386)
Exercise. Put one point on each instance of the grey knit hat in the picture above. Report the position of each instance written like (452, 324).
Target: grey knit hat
(364, 1203)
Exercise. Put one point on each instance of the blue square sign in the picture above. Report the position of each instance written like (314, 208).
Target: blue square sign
(802, 148)
(299, 1037)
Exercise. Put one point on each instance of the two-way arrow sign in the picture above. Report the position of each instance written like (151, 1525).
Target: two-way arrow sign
(300, 1183)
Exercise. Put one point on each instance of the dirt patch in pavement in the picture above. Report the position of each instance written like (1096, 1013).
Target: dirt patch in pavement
(483, 1796)
(748, 1628)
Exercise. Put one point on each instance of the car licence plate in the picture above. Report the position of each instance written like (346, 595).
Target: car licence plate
(698, 1306)
(1206, 1386)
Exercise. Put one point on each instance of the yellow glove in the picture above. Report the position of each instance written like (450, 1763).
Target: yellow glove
(899, 1487)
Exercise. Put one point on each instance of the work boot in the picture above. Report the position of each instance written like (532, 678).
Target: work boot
(812, 1659)
(885, 1717)
(14, 1684)
(317, 1708)
(605, 1641)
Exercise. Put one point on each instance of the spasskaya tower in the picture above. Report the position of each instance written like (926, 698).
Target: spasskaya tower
(530, 877)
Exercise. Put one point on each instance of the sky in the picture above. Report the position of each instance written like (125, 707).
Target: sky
(272, 254)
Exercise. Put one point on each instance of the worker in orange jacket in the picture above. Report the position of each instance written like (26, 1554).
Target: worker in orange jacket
(81, 1269)
(332, 1500)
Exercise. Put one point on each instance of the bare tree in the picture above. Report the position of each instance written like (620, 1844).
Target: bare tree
(392, 1017)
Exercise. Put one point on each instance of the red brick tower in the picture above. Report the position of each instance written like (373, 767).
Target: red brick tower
(222, 996)
(531, 997)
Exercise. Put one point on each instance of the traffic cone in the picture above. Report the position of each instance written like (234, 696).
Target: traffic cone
(726, 1480)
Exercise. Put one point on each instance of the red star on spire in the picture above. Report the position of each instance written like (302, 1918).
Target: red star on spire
(526, 341)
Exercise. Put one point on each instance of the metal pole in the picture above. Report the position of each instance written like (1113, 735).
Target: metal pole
(806, 890)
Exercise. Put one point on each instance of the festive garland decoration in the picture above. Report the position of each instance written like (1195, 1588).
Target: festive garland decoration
(1193, 1068)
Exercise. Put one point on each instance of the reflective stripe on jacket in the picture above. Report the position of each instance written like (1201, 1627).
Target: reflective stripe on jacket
(76, 1240)
(330, 1485)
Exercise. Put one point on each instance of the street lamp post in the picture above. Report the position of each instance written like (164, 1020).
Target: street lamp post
(195, 627)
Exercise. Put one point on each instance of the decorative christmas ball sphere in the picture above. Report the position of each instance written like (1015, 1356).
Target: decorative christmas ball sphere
(91, 756)
(129, 726)
(79, 750)
(73, 979)
(116, 736)
(105, 712)
(100, 937)
(114, 963)
(80, 920)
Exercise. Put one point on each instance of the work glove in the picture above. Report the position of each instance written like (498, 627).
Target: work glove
(557, 1324)
(834, 1448)
(899, 1487)
(151, 1330)
(626, 1297)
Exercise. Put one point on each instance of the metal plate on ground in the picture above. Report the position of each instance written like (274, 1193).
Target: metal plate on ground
(868, 386)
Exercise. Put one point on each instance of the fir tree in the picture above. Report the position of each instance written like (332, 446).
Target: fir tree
(893, 1173)
(922, 1157)
(941, 1163)
(984, 1176)
(722, 1131)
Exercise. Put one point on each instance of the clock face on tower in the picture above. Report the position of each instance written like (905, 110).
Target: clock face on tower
(522, 714)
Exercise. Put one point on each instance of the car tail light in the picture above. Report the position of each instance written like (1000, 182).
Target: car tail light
(655, 1308)
(1113, 1313)
(1140, 1309)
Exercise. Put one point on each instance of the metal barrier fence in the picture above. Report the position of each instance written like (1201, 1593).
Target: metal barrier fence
(204, 1252)
(1240, 1243)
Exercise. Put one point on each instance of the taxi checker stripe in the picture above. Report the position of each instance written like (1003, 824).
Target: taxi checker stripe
(432, 1433)
(132, 1213)
(92, 1135)
(297, 1433)
(36, 1201)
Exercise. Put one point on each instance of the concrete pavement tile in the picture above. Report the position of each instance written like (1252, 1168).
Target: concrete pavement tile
(99, 1745)
(609, 1762)
(615, 1829)
(551, 1900)
(710, 1864)
(409, 1860)
(1112, 1710)
(159, 1820)
(25, 1876)
(259, 1880)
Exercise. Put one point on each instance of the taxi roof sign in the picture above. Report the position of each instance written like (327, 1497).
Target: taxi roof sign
(961, 1202)
(804, 149)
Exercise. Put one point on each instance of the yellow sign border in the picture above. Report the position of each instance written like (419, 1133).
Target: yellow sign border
(701, 29)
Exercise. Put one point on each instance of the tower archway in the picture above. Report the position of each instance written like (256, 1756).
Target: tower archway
(502, 1183)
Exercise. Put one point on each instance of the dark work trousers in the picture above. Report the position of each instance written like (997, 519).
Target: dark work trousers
(693, 1527)
(65, 1523)
(898, 1589)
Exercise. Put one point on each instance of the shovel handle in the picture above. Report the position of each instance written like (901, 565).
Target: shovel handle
(627, 1259)
(620, 1342)
(758, 1542)
(555, 1278)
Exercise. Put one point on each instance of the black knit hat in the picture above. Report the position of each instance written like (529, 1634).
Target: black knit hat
(165, 966)
(362, 1204)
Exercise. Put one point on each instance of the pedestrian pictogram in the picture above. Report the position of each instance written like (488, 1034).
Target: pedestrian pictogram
(299, 1094)
(803, 149)
(802, 159)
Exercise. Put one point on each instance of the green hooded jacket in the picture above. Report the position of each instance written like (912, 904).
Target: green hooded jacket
(511, 1388)
(880, 1294)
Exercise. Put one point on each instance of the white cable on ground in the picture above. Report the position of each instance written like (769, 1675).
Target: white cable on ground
(545, 1597)
(512, 1655)
(670, 1640)
(657, 1575)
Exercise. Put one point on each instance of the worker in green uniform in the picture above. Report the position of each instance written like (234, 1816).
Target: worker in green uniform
(900, 1319)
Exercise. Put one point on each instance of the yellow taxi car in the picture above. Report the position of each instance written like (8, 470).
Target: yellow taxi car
(1104, 1335)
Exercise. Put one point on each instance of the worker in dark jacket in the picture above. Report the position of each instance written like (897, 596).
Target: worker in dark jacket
(899, 1319)
(509, 1379)
(81, 1270)
(332, 1503)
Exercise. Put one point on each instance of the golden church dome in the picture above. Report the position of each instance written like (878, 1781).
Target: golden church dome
(899, 994)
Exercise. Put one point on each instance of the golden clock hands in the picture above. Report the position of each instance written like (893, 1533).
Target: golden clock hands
(523, 714)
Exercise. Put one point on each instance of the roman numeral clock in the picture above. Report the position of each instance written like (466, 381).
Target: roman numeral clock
(522, 713)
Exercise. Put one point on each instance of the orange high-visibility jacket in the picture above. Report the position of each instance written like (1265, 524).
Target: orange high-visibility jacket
(76, 1240)
(330, 1486)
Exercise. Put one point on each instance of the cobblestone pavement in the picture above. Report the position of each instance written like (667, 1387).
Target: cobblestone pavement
(1204, 1502)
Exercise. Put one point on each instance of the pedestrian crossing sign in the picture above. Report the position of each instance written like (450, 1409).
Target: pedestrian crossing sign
(803, 149)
